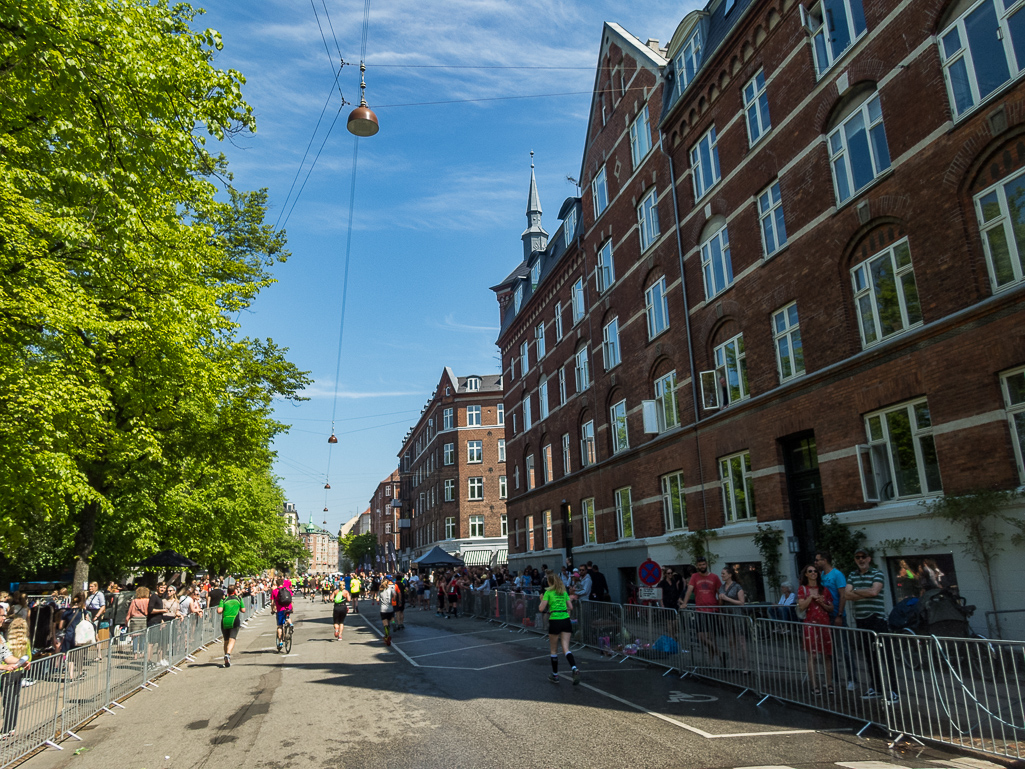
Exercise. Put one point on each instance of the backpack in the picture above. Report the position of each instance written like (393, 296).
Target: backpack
(284, 597)
(85, 633)
(904, 614)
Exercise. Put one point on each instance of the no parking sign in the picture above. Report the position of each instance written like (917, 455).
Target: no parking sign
(649, 573)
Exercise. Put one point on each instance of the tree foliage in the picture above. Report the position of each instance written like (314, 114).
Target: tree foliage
(133, 416)
(358, 546)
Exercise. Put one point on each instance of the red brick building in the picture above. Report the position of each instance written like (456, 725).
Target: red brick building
(847, 333)
(385, 507)
(452, 472)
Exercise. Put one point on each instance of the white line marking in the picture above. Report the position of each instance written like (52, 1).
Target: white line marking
(451, 635)
(467, 648)
(408, 659)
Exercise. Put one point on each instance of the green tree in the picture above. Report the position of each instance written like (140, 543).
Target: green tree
(357, 546)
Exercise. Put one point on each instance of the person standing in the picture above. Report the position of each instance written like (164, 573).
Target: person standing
(15, 657)
(833, 581)
(865, 592)
(731, 594)
(599, 585)
(215, 595)
(704, 586)
(231, 610)
(817, 604)
(559, 603)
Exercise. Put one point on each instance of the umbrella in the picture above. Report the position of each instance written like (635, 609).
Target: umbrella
(168, 559)
(437, 557)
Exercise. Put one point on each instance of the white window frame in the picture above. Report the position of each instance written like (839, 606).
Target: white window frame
(476, 526)
(473, 416)
(640, 137)
(667, 406)
(588, 449)
(869, 116)
(474, 452)
(786, 338)
(528, 420)
(542, 399)
(878, 459)
(688, 61)
(473, 384)
(704, 163)
(569, 226)
(647, 220)
(579, 307)
(524, 357)
(737, 487)
(823, 54)
(450, 528)
(867, 292)
(717, 262)
(624, 513)
(997, 230)
(673, 490)
(567, 466)
(558, 321)
(582, 369)
(656, 304)
(450, 490)
(605, 272)
(516, 476)
(600, 192)
(733, 368)
(1014, 403)
(530, 532)
(539, 333)
(610, 345)
(587, 521)
(562, 385)
(535, 274)
(546, 520)
(771, 221)
(503, 487)
(500, 414)
(517, 298)
(449, 454)
(501, 449)
(618, 427)
(528, 472)
(449, 418)
(504, 522)
(756, 108)
(475, 488)
(547, 469)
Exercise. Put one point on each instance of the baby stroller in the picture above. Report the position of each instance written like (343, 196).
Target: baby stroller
(939, 612)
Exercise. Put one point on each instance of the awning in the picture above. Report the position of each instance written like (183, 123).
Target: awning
(503, 556)
(477, 557)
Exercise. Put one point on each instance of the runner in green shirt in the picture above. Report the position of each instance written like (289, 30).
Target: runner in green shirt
(231, 610)
(559, 603)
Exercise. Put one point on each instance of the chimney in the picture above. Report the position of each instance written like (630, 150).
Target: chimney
(653, 45)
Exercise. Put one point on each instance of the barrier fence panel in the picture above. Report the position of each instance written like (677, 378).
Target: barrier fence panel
(31, 702)
(86, 674)
(963, 692)
(722, 646)
(601, 627)
(126, 654)
(654, 635)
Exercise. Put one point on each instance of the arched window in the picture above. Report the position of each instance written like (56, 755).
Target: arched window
(858, 153)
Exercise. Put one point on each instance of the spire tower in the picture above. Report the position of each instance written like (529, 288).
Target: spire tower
(534, 237)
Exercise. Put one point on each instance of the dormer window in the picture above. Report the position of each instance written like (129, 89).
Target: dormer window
(473, 384)
(569, 225)
(535, 274)
(688, 61)
(518, 298)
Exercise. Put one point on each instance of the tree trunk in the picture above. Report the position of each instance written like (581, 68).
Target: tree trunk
(85, 540)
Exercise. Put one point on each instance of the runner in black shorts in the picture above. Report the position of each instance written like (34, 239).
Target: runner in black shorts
(387, 595)
(340, 598)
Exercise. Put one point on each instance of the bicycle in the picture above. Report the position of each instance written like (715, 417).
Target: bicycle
(286, 635)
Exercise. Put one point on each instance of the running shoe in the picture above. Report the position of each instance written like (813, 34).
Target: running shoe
(387, 640)
(553, 677)
(576, 676)
(227, 660)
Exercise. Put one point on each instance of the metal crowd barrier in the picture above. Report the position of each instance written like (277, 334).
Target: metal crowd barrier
(60, 692)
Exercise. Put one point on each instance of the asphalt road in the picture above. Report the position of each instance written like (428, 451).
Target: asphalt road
(451, 693)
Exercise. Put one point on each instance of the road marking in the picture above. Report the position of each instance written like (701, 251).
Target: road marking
(676, 696)
(468, 648)
(451, 635)
(408, 659)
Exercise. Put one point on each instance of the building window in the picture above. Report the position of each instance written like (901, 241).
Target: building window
(476, 525)
(473, 384)
(787, 335)
(587, 452)
(515, 429)
(688, 61)
(474, 452)
(449, 455)
(518, 299)
(500, 413)
(885, 294)
(624, 513)
(450, 490)
(587, 516)
(731, 371)
(473, 416)
(610, 344)
(578, 301)
(535, 274)
(770, 216)
(582, 370)
(1001, 212)
(530, 532)
(503, 487)
(542, 399)
(600, 192)
(547, 469)
(504, 519)
(476, 488)
(738, 497)
(450, 528)
(448, 419)
(569, 226)
(516, 476)
(980, 51)
(640, 137)
(501, 449)
(1013, 385)
(704, 163)
(834, 26)
(756, 104)
(857, 150)
(524, 358)
(530, 472)
(540, 334)
(620, 436)
(562, 386)
(900, 458)
(558, 320)
(674, 502)
(528, 420)
(657, 308)
(667, 409)
(547, 517)
(647, 219)
(605, 274)
(566, 466)
(716, 263)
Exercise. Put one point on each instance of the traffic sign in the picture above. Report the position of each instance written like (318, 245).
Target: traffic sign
(649, 573)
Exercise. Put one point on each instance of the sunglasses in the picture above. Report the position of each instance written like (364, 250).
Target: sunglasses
(812, 571)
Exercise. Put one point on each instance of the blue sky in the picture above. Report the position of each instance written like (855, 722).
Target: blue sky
(440, 195)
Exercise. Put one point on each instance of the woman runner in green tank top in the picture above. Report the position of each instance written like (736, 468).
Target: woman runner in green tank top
(340, 599)
(559, 603)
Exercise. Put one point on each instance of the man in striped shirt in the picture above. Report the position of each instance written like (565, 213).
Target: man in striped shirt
(864, 592)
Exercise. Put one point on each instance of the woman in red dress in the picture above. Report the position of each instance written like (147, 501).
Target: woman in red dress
(815, 602)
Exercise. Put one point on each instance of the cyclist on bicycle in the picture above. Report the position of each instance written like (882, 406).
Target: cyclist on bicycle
(281, 597)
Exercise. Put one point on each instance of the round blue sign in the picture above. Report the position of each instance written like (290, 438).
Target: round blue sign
(649, 573)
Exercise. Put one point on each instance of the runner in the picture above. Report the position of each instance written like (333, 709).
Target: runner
(388, 598)
(340, 598)
(231, 610)
(355, 586)
(440, 582)
(453, 596)
(400, 605)
(559, 603)
(281, 597)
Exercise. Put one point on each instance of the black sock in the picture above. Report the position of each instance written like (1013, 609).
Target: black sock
(570, 660)
(555, 664)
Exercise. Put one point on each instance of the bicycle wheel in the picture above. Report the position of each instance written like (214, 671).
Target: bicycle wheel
(288, 640)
